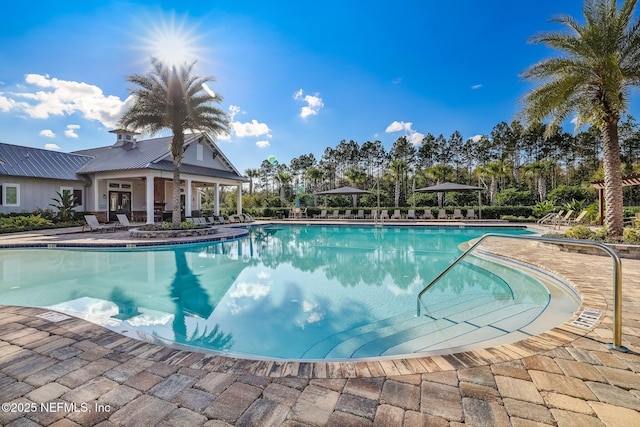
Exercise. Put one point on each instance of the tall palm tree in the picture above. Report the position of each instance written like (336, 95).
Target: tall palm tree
(593, 78)
(171, 98)
(537, 171)
(397, 171)
(251, 173)
(283, 178)
(494, 170)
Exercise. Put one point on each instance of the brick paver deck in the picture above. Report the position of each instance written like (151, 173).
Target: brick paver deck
(71, 372)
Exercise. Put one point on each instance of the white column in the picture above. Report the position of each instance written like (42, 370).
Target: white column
(150, 199)
(187, 197)
(216, 199)
(97, 197)
(239, 199)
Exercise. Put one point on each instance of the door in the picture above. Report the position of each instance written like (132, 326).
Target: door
(119, 203)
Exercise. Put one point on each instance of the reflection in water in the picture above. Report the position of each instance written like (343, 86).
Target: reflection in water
(279, 292)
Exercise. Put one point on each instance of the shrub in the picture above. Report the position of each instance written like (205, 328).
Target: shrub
(513, 197)
(565, 194)
(24, 223)
(631, 235)
(543, 208)
(579, 232)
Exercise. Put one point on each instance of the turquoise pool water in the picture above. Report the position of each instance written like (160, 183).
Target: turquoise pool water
(293, 292)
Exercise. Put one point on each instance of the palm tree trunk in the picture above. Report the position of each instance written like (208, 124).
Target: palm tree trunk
(614, 218)
(176, 216)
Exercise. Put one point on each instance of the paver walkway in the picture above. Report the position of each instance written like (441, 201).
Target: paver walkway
(67, 372)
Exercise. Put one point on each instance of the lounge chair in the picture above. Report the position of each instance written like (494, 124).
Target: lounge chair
(212, 220)
(457, 214)
(200, 220)
(471, 214)
(94, 225)
(233, 219)
(384, 214)
(123, 221)
(360, 214)
(550, 218)
(374, 215)
(347, 214)
(442, 214)
(411, 214)
(396, 214)
(322, 215)
(563, 220)
(335, 214)
(248, 218)
(428, 214)
(222, 220)
(577, 220)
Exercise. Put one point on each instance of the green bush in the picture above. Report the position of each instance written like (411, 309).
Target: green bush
(24, 223)
(579, 232)
(631, 235)
(512, 218)
(563, 194)
(513, 197)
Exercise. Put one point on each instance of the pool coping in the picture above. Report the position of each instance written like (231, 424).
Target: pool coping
(558, 336)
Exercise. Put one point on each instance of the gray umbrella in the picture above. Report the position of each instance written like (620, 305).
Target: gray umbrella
(452, 186)
(343, 191)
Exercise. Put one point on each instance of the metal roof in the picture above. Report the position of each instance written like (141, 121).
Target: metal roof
(16, 160)
(167, 165)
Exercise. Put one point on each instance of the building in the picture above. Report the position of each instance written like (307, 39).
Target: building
(131, 177)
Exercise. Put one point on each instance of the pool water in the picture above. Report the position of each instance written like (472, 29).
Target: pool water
(292, 292)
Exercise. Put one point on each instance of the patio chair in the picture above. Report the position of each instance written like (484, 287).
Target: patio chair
(457, 214)
(321, 215)
(123, 221)
(222, 220)
(428, 214)
(248, 218)
(563, 220)
(374, 215)
(94, 224)
(233, 219)
(191, 220)
(212, 220)
(200, 221)
(396, 214)
(335, 214)
(411, 214)
(471, 214)
(442, 214)
(384, 214)
(360, 214)
(577, 220)
(347, 214)
(550, 218)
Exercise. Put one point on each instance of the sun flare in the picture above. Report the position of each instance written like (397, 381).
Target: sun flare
(172, 42)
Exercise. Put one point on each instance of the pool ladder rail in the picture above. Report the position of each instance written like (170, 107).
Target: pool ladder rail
(617, 276)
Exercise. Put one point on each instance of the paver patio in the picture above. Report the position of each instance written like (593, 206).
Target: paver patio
(84, 374)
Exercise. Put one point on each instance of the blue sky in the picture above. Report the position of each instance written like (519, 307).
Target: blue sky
(296, 76)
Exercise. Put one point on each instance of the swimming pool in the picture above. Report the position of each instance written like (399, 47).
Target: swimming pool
(292, 292)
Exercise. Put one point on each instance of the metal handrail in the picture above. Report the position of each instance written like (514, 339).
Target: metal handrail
(617, 275)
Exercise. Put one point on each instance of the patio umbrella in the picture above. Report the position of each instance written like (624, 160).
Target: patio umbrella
(452, 186)
(343, 191)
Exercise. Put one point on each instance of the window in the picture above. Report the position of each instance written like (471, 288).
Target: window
(77, 195)
(199, 152)
(11, 194)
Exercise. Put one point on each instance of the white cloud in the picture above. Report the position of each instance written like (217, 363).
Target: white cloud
(399, 126)
(71, 131)
(233, 110)
(53, 147)
(475, 87)
(252, 128)
(314, 103)
(413, 136)
(262, 144)
(250, 290)
(63, 97)
(47, 133)
(476, 138)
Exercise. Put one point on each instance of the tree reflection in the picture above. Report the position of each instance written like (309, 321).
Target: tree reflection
(191, 299)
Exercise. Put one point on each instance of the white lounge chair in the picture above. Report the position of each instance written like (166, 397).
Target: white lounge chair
(360, 214)
(442, 214)
(321, 215)
(396, 214)
(411, 214)
(428, 214)
(123, 222)
(471, 214)
(94, 224)
(384, 214)
(457, 214)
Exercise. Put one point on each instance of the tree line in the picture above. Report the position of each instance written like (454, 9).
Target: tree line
(511, 158)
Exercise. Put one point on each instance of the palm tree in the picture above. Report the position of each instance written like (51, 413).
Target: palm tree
(283, 178)
(251, 173)
(494, 170)
(397, 172)
(538, 171)
(593, 79)
(171, 98)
